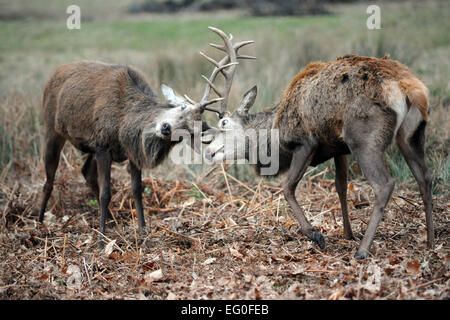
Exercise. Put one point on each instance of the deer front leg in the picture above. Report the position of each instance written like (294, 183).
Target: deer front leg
(53, 147)
(300, 161)
(341, 163)
(136, 186)
(89, 172)
(104, 181)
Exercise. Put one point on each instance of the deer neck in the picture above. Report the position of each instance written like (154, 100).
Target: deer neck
(268, 144)
(138, 136)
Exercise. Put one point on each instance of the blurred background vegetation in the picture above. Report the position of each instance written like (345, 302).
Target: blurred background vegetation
(163, 38)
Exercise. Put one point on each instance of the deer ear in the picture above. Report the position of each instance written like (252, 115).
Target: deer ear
(248, 100)
(171, 96)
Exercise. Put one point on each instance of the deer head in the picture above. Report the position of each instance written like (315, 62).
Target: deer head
(230, 141)
(184, 107)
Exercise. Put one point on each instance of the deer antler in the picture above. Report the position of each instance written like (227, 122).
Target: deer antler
(226, 67)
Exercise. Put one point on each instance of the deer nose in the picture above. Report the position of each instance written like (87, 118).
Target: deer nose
(165, 129)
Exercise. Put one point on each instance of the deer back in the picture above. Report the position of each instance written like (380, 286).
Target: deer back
(325, 98)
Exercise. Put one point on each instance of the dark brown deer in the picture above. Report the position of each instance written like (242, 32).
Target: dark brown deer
(353, 104)
(110, 112)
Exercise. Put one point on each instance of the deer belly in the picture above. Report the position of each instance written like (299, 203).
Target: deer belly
(325, 152)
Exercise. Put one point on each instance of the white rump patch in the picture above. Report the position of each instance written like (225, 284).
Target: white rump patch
(396, 100)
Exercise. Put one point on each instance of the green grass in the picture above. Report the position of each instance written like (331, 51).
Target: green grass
(111, 35)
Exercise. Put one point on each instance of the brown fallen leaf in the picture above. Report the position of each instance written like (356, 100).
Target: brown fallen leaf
(413, 267)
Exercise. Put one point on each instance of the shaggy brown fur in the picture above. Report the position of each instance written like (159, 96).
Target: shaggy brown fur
(108, 111)
(325, 97)
(353, 104)
(94, 104)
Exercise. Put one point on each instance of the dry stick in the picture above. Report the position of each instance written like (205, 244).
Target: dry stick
(359, 283)
(100, 275)
(318, 174)
(104, 236)
(177, 188)
(203, 194)
(45, 252)
(134, 227)
(124, 240)
(171, 192)
(190, 171)
(121, 203)
(241, 183)
(401, 210)
(315, 270)
(64, 250)
(226, 180)
(278, 207)
(86, 270)
(5, 170)
(54, 249)
(323, 212)
(256, 193)
(154, 191)
(323, 176)
(21, 216)
(66, 161)
(206, 174)
(289, 254)
(410, 201)
(429, 282)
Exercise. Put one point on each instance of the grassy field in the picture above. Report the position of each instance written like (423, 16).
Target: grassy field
(34, 40)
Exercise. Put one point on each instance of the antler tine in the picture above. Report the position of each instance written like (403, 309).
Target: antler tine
(243, 56)
(218, 46)
(240, 44)
(231, 57)
(204, 106)
(216, 90)
(226, 66)
(214, 62)
(189, 99)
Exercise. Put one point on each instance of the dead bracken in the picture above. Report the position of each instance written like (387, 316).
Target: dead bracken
(210, 242)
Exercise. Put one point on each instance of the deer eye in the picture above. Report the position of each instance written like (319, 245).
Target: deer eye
(224, 122)
(183, 107)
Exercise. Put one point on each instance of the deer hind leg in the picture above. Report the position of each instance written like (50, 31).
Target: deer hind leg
(374, 169)
(412, 148)
(300, 161)
(53, 146)
(341, 163)
(89, 172)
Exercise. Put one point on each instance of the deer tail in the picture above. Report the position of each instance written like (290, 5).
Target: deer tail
(416, 95)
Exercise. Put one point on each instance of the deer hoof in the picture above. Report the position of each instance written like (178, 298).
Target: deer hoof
(143, 232)
(101, 244)
(361, 255)
(320, 240)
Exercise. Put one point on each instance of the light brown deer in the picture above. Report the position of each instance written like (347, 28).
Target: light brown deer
(110, 112)
(353, 104)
